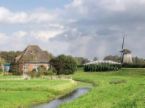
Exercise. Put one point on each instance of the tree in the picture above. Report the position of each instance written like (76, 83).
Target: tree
(95, 59)
(81, 60)
(113, 58)
(2, 61)
(63, 65)
(9, 56)
(137, 60)
(14, 69)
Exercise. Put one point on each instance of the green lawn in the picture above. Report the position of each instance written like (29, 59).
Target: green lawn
(121, 89)
(23, 93)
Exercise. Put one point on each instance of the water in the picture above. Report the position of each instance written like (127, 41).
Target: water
(57, 102)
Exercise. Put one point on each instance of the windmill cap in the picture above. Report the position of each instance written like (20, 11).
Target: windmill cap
(126, 51)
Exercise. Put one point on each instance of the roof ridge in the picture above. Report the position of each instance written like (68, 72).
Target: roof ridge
(33, 53)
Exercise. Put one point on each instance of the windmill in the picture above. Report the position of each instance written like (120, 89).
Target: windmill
(126, 57)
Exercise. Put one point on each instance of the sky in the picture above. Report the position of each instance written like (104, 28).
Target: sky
(86, 28)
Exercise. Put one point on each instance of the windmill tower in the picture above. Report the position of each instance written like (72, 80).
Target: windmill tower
(126, 54)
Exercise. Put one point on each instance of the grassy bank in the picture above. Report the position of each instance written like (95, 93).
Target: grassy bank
(120, 89)
(23, 93)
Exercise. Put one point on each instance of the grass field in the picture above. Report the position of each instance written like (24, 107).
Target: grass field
(121, 89)
(20, 93)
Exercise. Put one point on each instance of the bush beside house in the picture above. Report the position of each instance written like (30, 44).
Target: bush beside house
(63, 65)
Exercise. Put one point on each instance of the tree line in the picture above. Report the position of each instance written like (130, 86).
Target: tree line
(9, 56)
(116, 58)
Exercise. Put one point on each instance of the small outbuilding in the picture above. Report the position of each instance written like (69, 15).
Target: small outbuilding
(6, 67)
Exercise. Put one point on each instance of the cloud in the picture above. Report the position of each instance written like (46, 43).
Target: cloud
(45, 35)
(8, 16)
(105, 22)
(20, 34)
(85, 28)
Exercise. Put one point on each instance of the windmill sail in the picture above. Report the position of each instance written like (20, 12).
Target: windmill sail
(123, 43)
(122, 53)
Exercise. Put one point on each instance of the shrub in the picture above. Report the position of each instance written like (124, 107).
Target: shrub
(101, 67)
(41, 70)
(1, 70)
(64, 65)
(32, 73)
(14, 69)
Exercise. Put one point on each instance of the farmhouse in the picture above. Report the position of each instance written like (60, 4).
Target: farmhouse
(31, 58)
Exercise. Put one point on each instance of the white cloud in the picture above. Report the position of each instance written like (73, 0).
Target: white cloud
(20, 34)
(40, 17)
(7, 16)
(45, 35)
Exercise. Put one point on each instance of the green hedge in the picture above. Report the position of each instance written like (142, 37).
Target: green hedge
(133, 65)
(101, 67)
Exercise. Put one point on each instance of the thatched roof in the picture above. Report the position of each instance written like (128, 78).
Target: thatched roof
(33, 53)
(126, 51)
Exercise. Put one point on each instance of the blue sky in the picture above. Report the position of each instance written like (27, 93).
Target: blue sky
(26, 5)
(87, 28)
